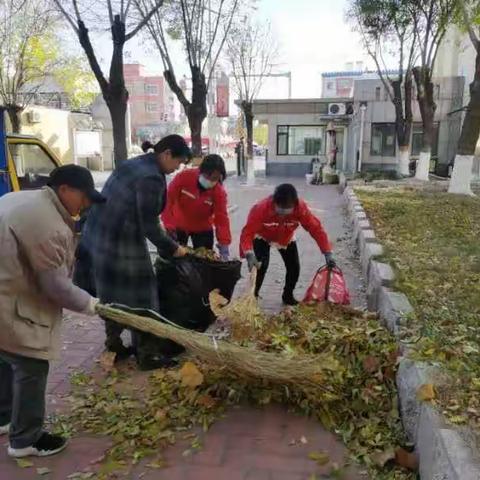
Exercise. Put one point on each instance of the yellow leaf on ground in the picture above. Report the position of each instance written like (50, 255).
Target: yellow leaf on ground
(321, 458)
(107, 360)
(24, 463)
(382, 458)
(191, 376)
(426, 392)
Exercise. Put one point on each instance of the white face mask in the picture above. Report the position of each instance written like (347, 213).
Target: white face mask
(284, 211)
(205, 182)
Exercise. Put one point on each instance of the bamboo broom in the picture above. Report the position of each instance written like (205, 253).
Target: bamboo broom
(301, 370)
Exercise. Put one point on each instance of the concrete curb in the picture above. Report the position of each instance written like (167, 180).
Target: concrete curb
(444, 452)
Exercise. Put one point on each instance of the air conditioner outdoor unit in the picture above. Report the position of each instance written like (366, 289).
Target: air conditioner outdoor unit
(34, 116)
(337, 109)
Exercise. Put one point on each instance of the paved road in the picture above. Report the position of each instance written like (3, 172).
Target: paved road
(248, 443)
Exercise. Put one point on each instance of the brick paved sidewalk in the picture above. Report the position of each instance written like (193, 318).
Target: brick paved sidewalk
(248, 443)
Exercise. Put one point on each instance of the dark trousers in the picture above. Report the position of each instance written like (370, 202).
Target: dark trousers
(23, 382)
(290, 259)
(199, 239)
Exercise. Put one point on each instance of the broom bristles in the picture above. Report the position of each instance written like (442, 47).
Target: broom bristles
(306, 370)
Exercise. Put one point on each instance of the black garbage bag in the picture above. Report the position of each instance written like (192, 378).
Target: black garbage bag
(184, 285)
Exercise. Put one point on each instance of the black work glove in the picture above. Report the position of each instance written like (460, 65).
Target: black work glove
(330, 261)
(252, 261)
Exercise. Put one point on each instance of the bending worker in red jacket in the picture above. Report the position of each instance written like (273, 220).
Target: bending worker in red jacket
(196, 203)
(273, 221)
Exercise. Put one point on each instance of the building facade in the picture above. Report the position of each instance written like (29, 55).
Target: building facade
(363, 126)
(152, 104)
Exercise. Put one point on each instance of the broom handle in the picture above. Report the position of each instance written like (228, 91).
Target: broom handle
(253, 281)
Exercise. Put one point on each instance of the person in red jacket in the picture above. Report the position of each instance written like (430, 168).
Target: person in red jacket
(197, 203)
(272, 222)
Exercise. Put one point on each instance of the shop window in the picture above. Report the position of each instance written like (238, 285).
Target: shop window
(383, 140)
(300, 140)
(417, 139)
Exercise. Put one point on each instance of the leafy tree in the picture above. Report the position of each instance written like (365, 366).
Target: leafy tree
(469, 20)
(251, 53)
(202, 26)
(386, 28)
(119, 16)
(77, 81)
(28, 51)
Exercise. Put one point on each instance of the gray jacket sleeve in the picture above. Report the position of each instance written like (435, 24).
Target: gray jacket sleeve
(59, 288)
(150, 195)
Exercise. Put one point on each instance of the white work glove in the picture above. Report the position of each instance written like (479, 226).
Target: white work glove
(91, 309)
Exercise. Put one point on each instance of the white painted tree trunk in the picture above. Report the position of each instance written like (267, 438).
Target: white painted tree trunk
(462, 175)
(250, 166)
(404, 162)
(423, 166)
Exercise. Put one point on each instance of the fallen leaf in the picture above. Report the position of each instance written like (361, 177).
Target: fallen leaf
(24, 463)
(191, 376)
(370, 364)
(382, 458)
(107, 360)
(160, 415)
(157, 464)
(426, 392)
(406, 459)
(321, 458)
(43, 471)
(303, 440)
(206, 401)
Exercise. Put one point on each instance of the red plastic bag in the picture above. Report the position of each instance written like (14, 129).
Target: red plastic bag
(328, 286)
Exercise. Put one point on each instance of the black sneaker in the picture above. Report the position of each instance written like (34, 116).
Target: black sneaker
(289, 299)
(45, 446)
(154, 362)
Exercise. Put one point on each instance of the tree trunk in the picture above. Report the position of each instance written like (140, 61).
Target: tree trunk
(467, 143)
(403, 121)
(248, 114)
(197, 110)
(426, 102)
(14, 114)
(114, 92)
(195, 123)
(118, 112)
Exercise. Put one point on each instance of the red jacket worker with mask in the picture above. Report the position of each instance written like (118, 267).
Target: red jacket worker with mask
(197, 204)
(272, 222)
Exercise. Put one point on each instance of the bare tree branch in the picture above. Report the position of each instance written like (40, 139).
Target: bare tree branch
(143, 22)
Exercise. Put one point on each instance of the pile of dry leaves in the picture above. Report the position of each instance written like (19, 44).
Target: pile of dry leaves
(357, 401)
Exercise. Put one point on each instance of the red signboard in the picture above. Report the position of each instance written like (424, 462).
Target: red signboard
(222, 100)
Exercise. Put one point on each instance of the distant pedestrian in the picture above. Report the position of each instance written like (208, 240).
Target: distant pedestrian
(38, 239)
(240, 151)
(114, 240)
(273, 222)
(197, 204)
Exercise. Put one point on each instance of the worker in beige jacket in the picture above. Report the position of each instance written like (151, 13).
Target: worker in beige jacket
(37, 245)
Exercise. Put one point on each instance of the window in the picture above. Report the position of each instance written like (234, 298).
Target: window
(383, 140)
(377, 94)
(417, 139)
(32, 163)
(151, 107)
(282, 140)
(151, 89)
(300, 140)
(330, 86)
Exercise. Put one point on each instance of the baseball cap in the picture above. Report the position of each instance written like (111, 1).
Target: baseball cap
(76, 177)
